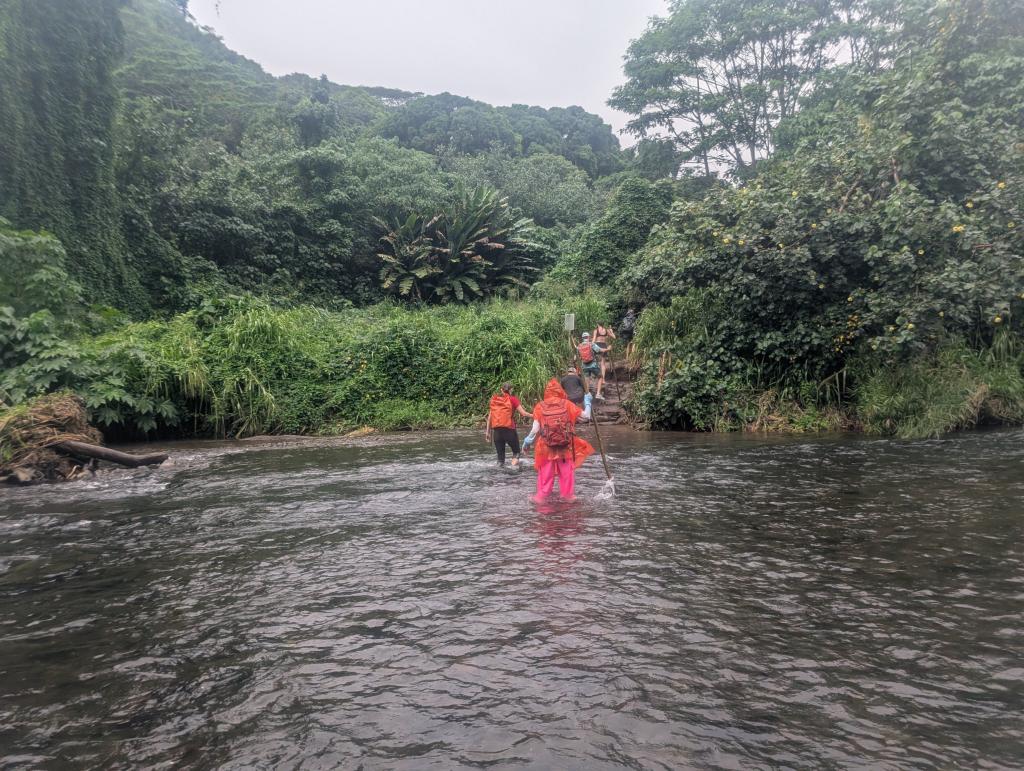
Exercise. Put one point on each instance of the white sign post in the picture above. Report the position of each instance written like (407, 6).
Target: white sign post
(570, 322)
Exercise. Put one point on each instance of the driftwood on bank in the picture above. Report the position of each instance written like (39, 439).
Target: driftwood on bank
(50, 438)
(113, 456)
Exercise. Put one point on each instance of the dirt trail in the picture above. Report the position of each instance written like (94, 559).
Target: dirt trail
(617, 390)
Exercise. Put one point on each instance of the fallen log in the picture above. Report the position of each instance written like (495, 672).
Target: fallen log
(113, 456)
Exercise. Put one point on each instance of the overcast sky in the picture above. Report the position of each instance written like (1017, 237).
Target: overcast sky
(545, 52)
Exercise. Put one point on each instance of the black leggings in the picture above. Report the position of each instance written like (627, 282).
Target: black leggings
(503, 436)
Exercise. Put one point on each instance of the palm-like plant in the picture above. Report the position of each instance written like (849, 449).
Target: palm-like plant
(475, 250)
(406, 256)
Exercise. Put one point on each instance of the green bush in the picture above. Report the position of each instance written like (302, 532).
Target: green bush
(892, 221)
(599, 250)
(946, 390)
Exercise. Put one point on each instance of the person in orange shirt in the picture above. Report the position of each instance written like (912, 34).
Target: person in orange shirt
(559, 451)
(501, 423)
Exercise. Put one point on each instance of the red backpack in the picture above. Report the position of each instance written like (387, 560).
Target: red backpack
(555, 425)
(586, 352)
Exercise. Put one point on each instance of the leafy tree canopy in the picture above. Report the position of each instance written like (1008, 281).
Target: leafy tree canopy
(891, 225)
(446, 122)
(715, 78)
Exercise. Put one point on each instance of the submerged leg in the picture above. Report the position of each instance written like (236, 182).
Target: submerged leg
(566, 478)
(499, 445)
(513, 443)
(545, 478)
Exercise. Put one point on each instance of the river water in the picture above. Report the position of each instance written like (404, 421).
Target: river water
(398, 603)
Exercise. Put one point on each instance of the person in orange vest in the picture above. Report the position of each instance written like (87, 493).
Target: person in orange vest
(501, 423)
(559, 451)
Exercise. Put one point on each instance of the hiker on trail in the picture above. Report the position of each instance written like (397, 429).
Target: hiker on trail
(589, 351)
(501, 423)
(603, 337)
(559, 451)
(575, 390)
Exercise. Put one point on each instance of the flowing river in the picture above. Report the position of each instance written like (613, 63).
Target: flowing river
(398, 603)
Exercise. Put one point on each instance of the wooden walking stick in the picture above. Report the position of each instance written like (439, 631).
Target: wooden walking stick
(600, 446)
(569, 325)
(593, 419)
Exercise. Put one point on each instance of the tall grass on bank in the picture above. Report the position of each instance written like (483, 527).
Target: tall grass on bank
(242, 367)
(682, 383)
(954, 388)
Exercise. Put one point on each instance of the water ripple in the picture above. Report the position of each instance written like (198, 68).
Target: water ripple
(742, 602)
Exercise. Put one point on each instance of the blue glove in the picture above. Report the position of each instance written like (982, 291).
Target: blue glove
(527, 442)
(587, 400)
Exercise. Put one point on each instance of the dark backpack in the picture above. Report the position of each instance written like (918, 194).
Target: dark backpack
(555, 425)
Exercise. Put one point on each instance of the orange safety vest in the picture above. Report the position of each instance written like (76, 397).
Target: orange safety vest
(502, 412)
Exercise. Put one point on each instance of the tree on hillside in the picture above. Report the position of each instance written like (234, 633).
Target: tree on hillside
(577, 135)
(58, 105)
(599, 250)
(449, 123)
(545, 187)
(716, 77)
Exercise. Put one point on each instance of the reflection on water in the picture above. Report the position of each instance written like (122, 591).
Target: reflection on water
(399, 603)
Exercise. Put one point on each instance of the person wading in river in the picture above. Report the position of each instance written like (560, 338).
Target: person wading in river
(559, 451)
(501, 423)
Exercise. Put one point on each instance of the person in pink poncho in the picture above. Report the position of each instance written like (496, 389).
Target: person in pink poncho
(559, 451)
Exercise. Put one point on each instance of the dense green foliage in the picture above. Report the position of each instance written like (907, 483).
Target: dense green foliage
(950, 388)
(821, 224)
(887, 229)
(464, 126)
(58, 106)
(598, 251)
(238, 367)
(173, 169)
(544, 187)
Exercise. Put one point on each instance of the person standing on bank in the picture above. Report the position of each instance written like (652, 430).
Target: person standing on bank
(627, 329)
(501, 423)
